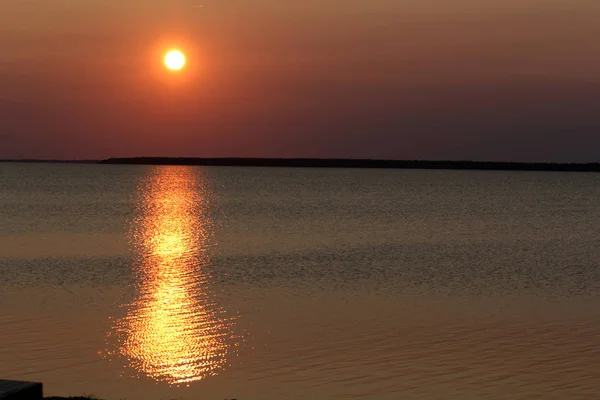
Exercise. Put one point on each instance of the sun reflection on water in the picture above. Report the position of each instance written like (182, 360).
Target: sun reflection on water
(173, 331)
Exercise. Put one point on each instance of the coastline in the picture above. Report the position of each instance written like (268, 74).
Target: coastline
(335, 163)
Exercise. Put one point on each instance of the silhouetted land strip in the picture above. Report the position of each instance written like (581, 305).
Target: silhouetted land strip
(357, 163)
(336, 163)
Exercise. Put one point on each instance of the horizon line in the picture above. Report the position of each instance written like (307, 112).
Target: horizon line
(352, 163)
(87, 160)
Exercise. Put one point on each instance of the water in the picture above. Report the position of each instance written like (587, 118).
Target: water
(138, 282)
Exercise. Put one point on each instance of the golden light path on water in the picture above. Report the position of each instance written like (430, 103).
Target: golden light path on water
(173, 331)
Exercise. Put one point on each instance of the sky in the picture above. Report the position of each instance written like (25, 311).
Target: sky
(497, 80)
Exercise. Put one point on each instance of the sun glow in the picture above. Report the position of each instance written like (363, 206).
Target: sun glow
(174, 331)
(175, 60)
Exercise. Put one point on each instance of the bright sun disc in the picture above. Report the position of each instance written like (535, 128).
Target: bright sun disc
(175, 60)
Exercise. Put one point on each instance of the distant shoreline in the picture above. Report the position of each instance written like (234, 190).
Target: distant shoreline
(336, 163)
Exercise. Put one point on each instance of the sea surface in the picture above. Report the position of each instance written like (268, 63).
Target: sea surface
(143, 282)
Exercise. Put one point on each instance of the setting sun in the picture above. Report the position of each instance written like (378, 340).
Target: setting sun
(175, 60)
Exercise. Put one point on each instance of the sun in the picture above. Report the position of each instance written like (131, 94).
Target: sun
(175, 60)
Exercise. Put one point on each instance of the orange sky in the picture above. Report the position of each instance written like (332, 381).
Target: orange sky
(502, 80)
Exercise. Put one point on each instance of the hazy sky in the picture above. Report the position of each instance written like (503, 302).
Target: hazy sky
(415, 79)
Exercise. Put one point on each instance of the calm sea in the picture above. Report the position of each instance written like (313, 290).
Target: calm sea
(141, 283)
